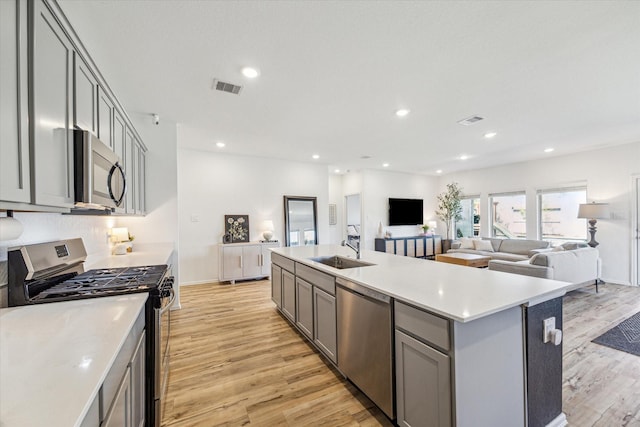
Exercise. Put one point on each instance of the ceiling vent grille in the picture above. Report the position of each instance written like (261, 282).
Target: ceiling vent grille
(470, 120)
(226, 87)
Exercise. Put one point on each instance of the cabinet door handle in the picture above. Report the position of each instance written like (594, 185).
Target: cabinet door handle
(261, 258)
(241, 262)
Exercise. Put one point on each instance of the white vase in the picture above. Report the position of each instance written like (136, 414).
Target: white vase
(380, 232)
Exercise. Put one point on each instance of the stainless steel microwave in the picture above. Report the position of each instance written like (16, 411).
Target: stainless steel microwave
(99, 178)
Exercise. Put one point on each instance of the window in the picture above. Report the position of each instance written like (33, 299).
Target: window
(509, 215)
(558, 214)
(469, 225)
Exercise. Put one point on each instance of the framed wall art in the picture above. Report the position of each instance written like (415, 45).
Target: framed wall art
(237, 228)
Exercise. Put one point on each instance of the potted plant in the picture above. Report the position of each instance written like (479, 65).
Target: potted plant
(425, 228)
(449, 210)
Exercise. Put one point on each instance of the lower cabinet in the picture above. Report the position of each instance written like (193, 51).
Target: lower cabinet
(423, 386)
(289, 295)
(122, 395)
(304, 307)
(276, 285)
(240, 261)
(120, 413)
(308, 300)
(324, 323)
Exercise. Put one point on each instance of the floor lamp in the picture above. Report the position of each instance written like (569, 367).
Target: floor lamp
(593, 212)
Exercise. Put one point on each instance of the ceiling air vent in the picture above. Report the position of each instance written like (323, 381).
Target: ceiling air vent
(226, 87)
(470, 120)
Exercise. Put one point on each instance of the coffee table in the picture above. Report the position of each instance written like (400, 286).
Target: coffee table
(460, 258)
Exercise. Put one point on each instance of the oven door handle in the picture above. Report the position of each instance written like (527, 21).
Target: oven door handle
(172, 298)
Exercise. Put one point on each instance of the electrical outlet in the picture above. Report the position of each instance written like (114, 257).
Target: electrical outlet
(548, 326)
(195, 218)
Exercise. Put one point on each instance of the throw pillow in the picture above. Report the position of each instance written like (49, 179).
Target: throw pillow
(483, 245)
(558, 249)
(466, 243)
(539, 259)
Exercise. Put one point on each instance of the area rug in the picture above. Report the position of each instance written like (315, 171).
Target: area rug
(625, 336)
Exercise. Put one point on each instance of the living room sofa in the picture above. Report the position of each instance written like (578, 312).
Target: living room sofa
(581, 266)
(500, 249)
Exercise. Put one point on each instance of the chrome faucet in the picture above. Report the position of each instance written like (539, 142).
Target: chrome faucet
(354, 247)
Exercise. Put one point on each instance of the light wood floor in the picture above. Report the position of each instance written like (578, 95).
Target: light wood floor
(235, 361)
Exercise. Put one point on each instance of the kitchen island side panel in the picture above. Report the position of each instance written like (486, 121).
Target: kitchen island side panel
(489, 368)
(544, 365)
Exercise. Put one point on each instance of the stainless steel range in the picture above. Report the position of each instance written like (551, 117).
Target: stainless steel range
(54, 271)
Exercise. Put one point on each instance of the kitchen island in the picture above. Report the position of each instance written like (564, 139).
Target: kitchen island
(467, 344)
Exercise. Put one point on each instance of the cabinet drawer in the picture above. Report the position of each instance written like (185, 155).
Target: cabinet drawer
(283, 262)
(114, 377)
(421, 324)
(324, 281)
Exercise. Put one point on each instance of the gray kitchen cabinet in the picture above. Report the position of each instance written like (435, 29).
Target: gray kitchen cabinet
(106, 118)
(129, 171)
(138, 384)
(423, 385)
(276, 285)
(423, 368)
(140, 181)
(85, 96)
(52, 108)
(119, 414)
(324, 323)
(304, 307)
(289, 295)
(14, 120)
(119, 131)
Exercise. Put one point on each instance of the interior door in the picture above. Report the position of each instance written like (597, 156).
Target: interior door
(353, 218)
(637, 231)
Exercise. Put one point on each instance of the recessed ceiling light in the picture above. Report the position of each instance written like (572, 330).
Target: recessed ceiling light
(402, 112)
(220, 144)
(250, 73)
(385, 165)
(490, 135)
(439, 171)
(315, 156)
(548, 150)
(463, 157)
(337, 171)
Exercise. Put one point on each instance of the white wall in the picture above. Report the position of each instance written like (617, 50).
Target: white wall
(379, 186)
(607, 174)
(336, 232)
(214, 184)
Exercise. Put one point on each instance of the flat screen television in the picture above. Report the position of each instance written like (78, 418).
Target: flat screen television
(405, 212)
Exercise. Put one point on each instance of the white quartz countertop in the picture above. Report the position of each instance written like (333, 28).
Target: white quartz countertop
(456, 292)
(54, 357)
(143, 254)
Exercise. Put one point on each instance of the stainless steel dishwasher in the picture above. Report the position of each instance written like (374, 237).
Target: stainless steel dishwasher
(365, 342)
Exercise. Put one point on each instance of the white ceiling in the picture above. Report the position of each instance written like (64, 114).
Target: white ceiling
(561, 74)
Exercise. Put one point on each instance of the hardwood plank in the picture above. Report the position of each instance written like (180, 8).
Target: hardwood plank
(236, 361)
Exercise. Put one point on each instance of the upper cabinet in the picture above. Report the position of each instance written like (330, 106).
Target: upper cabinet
(52, 56)
(106, 118)
(49, 86)
(85, 91)
(15, 184)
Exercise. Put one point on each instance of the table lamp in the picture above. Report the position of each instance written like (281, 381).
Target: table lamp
(593, 212)
(267, 226)
(119, 235)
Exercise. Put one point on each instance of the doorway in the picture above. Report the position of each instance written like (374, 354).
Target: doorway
(637, 231)
(353, 217)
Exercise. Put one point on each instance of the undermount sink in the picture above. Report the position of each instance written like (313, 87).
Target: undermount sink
(340, 262)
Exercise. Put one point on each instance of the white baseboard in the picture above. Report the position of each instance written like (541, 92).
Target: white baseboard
(200, 282)
(559, 421)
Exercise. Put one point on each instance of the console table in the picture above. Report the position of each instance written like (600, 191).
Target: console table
(413, 246)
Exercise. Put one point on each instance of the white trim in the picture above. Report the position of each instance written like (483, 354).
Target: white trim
(201, 282)
(559, 421)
